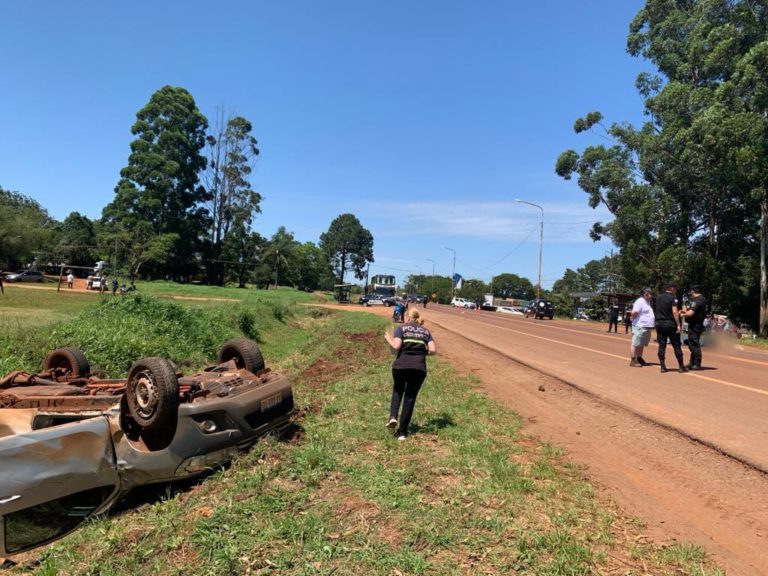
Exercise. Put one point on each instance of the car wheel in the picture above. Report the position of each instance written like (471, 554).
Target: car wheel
(153, 394)
(245, 352)
(71, 359)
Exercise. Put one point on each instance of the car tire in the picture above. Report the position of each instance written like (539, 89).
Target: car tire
(245, 352)
(69, 358)
(152, 394)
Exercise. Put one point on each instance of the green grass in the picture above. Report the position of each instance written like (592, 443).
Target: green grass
(468, 493)
(115, 331)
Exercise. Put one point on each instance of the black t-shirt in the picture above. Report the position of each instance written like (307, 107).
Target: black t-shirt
(413, 352)
(664, 303)
(699, 307)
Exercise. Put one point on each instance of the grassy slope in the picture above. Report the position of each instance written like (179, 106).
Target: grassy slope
(466, 494)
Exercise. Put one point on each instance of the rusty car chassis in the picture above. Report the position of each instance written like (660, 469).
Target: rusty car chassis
(71, 444)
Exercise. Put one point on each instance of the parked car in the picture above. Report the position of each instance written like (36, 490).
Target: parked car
(509, 310)
(25, 276)
(96, 283)
(540, 308)
(72, 444)
(376, 300)
(462, 303)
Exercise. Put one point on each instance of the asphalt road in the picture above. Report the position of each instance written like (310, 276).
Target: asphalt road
(724, 406)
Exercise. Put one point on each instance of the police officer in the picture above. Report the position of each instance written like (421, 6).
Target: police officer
(695, 314)
(668, 327)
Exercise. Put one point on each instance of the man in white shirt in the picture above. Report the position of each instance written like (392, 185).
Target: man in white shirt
(643, 321)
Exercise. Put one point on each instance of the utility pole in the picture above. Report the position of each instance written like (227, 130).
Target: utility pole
(541, 242)
(453, 274)
(432, 289)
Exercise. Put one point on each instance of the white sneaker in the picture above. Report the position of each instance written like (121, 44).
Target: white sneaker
(402, 437)
(392, 423)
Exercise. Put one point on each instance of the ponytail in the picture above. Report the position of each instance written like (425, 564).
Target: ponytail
(415, 317)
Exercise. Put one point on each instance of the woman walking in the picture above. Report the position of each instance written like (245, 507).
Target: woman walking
(412, 342)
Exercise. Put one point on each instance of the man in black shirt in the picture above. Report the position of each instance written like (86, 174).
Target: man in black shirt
(668, 327)
(695, 315)
(613, 318)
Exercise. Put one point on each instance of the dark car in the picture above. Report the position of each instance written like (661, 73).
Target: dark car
(71, 444)
(376, 300)
(540, 308)
(25, 276)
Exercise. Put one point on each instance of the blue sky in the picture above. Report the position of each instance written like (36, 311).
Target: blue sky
(425, 119)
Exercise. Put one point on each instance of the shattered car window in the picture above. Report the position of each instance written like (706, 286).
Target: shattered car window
(38, 524)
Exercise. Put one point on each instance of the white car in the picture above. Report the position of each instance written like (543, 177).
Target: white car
(510, 310)
(462, 303)
(95, 283)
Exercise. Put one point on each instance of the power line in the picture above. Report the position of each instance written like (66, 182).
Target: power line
(523, 241)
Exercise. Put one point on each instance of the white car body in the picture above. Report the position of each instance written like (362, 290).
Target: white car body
(95, 283)
(510, 310)
(462, 303)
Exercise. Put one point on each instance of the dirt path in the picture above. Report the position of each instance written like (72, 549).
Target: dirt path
(682, 490)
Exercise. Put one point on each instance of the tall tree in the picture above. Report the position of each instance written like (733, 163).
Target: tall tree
(278, 253)
(159, 187)
(75, 241)
(312, 267)
(232, 151)
(509, 285)
(684, 190)
(25, 229)
(242, 250)
(348, 244)
(715, 53)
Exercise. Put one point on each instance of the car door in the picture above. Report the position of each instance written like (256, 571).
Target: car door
(52, 480)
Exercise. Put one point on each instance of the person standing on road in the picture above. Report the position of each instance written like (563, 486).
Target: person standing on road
(668, 327)
(643, 322)
(413, 342)
(627, 320)
(613, 318)
(695, 315)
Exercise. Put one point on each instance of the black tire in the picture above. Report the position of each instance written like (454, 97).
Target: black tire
(245, 352)
(152, 394)
(69, 358)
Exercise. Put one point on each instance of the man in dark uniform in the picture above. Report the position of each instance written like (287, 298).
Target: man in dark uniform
(695, 315)
(613, 318)
(668, 328)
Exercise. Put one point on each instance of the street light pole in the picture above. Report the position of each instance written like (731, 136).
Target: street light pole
(541, 242)
(453, 274)
(432, 289)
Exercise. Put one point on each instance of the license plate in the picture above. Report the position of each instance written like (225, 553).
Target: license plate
(271, 402)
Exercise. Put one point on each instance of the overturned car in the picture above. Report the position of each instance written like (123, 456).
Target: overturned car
(71, 444)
